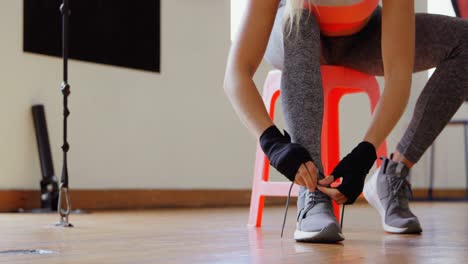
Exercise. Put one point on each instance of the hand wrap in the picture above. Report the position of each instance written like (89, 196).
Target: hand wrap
(353, 169)
(285, 156)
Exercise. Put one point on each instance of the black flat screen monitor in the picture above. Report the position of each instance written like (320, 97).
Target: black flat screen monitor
(123, 33)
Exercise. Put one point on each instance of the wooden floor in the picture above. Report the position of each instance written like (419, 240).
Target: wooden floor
(221, 236)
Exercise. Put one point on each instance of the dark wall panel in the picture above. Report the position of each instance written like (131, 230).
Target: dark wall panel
(123, 33)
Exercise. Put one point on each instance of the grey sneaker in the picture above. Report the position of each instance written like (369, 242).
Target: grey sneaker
(388, 191)
(316, 221)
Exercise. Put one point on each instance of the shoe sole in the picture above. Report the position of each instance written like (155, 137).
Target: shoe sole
(370, 193)
(329, 234)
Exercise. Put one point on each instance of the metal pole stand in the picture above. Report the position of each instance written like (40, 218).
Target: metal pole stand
(64, 207)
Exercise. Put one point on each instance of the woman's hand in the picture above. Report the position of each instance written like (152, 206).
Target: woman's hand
(290, 159)
(353, 169)
(333, 193)
(307, 176)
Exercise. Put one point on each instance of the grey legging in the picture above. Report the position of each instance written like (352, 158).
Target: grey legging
(441, 42)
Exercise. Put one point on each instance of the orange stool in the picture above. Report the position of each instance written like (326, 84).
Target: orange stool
(337, 81)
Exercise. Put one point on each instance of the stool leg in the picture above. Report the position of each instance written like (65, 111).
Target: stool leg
(331, 139)
(374, 97)
(261, 174)
(330, 132)
(256, 209)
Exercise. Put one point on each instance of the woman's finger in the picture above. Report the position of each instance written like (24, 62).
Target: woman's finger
(334, 194)
(343, 200)
(312, 171)
(307, 179)
(326, 181)
(331, 192)
(328, 191)
(298, 180)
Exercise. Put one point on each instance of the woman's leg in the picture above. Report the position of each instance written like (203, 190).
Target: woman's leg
(441, 42)
(302, 98)
(298, 56)
(301, 87)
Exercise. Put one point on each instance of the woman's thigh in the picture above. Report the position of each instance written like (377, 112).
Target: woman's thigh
(275, 53)
(437, 38)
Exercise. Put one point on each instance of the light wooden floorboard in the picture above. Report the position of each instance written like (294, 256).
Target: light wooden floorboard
(221, 236)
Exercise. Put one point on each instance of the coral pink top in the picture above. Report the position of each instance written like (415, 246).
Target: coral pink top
(339, 18)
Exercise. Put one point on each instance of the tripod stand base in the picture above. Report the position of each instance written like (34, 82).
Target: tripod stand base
(47, 211)
(63, 224)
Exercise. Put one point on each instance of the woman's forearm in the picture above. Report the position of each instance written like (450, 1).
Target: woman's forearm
(389, 110)
(247, 102)
(398, 31)
(244, 58)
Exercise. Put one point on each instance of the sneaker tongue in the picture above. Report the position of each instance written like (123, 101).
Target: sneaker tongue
(316, 201)
(397, 169)
(398, 172)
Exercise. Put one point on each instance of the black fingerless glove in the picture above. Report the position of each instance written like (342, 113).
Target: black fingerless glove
(285, 156)
(354, 169)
